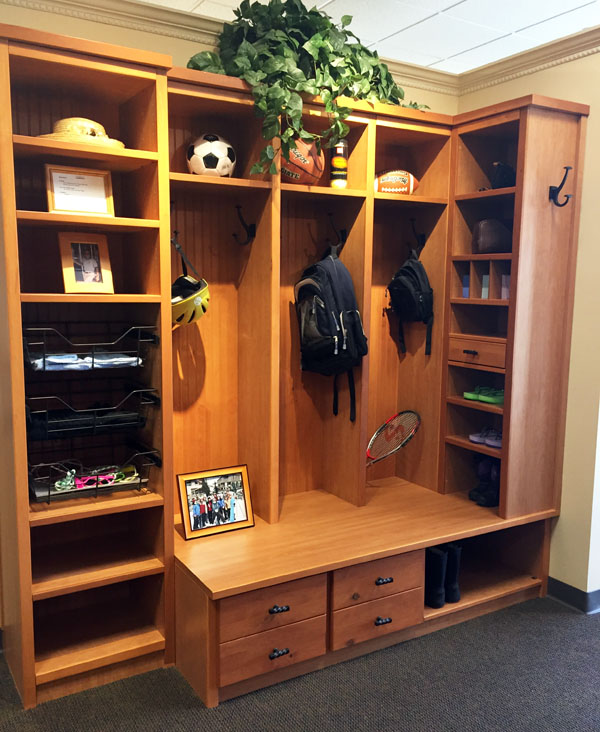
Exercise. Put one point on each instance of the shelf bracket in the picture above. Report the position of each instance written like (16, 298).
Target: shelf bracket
(554, 191)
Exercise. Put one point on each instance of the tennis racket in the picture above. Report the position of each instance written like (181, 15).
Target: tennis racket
(392, 435)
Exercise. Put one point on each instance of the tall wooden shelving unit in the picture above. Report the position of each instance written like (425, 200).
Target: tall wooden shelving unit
(232, 391)
(88, 594)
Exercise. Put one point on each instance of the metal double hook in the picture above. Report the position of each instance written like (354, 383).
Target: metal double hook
(554, 191)
(250, 229)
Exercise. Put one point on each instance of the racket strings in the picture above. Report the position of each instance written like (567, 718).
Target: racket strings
(393, 435)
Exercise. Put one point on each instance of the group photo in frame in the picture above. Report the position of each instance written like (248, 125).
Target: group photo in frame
(79, 190)
(214, 501)
(85, 263)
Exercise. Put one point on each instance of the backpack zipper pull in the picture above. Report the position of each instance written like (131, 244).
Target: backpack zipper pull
(344, 331)
(335, 350)
(335, 321)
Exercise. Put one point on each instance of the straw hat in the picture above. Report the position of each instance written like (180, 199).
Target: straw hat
(79, 129)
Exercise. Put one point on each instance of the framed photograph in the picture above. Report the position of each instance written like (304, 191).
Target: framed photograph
(213, 501)
(85, 262)
(79, 190)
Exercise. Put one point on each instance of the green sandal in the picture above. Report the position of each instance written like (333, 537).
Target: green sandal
(492, 396)
(474, 394)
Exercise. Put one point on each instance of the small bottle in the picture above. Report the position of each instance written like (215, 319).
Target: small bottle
(339, 165)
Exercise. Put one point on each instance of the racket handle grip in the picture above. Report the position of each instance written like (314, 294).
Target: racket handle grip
(384, 581)
(470, 352)
(382, 621)
(278, 609)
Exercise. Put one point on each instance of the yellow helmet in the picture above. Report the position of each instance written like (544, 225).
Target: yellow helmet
(189, 297)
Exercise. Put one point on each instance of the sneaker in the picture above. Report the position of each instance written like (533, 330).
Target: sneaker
(491, 396)
(480, 437)
(493, 438)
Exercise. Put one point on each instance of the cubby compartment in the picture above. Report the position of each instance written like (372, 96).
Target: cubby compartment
(222, 362)
(97, 627)
(468, 427)
(462, 469)
(93, 552)
(463, 379)
(134, 192)
(315, 121)
(500, 279)
(489, 321)
(134, 260)
(469, 211)
(496, 565)
(422, 151)
(192, 115)
(479, 147)
(307, 422)
(47, 87)
(400, 381)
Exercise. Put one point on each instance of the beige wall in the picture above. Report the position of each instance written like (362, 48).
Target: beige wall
(572, 542)
(576, 540)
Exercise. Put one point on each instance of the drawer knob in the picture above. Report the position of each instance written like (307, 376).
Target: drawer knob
(384, 581)
(470, 351)
(278, 652)
(279, 609)
(383, 621)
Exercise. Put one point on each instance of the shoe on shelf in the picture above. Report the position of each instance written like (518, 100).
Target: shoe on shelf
(436, 560)
(480, 437)
(485, 394)
(493, 438)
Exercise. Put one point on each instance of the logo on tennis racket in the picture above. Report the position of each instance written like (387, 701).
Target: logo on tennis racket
(394, 431)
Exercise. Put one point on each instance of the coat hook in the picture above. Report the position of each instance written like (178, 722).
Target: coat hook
(555, 190)
(341, 236)
(249, 229)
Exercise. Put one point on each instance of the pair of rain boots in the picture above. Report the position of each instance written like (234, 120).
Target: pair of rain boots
(487, 490)
(442, 566)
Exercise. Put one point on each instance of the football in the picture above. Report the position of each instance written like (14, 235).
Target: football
(396, 181)
(305, 165)
(210, 154)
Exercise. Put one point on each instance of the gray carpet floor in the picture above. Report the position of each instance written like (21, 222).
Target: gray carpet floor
(534, 667)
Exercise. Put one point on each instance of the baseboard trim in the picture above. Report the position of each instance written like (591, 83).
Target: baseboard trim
(587, 602)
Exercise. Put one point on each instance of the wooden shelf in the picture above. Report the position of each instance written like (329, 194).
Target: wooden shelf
(409, 198)
(78, 297)
(477, 301)
(321, 191)
(478, 337)
(73, 644)
(481, 257)
(475, 404)
(482, 584)
(476, 367)
(82, 565)
(474, 446)
(106, 158)
(84, 221)
(196, 182)
(77, 508)
(493, 193)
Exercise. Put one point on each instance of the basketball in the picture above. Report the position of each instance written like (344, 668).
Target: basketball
(305, 165)
(396, 181)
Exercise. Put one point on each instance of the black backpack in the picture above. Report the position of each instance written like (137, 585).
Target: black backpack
(412, 297)
(332, 339)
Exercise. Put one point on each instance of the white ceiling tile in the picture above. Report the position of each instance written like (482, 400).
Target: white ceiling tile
(415, 57)
(439, 36)
(564, 25)
(434, 6)
(372, 20)
(486, 54)
(211, 9)
(511, 15)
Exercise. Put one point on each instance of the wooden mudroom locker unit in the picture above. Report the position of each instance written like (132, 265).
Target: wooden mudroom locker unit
(104, 586)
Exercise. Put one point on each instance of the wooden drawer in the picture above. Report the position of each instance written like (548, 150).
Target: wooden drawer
(260, 653)
(272, 607)
(487, 353)
(382, 577)
(363, 622)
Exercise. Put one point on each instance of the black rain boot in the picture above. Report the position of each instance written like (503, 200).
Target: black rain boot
(435, 575)
(452, 569)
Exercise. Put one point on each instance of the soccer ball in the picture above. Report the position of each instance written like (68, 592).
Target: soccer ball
(210, 154)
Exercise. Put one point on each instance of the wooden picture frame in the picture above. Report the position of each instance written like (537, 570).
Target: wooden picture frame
(215, 501)
(85, 263)
(79, 190)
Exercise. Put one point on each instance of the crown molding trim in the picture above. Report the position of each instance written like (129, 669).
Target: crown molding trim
(172, 23)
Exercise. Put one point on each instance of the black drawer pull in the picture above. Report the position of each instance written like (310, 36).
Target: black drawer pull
(383, 621)
(384, 580)
(279, 609)
(470, 352)
(277, 653)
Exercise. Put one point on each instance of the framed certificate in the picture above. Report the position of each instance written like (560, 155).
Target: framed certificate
(79, 190)
(85, 262)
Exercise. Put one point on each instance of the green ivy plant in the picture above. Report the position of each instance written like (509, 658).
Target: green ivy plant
(283, 50)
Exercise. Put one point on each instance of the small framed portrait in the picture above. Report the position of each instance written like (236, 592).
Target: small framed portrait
(213, 501)
(85, 263)
(79, 190)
